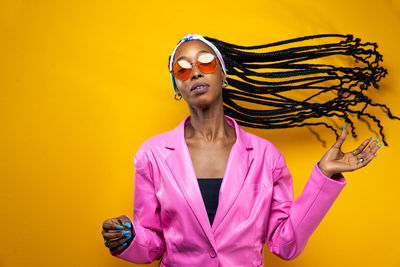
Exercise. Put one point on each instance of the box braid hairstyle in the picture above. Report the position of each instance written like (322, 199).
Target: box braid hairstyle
(293, 70)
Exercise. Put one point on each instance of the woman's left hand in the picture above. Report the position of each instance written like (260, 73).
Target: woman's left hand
(335, 161)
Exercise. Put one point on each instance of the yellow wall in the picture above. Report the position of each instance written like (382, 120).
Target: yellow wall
(84, 83)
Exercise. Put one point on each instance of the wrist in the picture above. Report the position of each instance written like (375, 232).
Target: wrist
(324, 171)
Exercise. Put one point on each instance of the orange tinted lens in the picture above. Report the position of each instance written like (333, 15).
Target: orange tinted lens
(207, 63)
(180, 72)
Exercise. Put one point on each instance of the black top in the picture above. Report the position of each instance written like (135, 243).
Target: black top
(209, 188)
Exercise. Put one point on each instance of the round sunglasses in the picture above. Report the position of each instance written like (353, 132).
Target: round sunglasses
(206, 63)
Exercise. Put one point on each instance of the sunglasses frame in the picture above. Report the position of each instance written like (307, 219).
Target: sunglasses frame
(198, 65)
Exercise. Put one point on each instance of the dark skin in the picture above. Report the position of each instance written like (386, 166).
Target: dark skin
(210, 138)
(114, 237)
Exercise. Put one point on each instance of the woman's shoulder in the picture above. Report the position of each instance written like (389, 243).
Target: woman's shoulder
(264, 151)
(153, 143)
(263, 144)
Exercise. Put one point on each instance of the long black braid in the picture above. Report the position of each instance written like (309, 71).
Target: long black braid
(291, 69)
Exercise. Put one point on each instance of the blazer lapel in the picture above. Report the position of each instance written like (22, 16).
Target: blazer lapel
(181, 166)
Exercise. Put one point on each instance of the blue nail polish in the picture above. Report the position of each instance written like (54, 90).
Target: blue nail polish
(345, 127)
(380, 145)
(126, 232)
(119, 227)
(126, 238)
(124, 244)
(376, 155)
(128, 224)
(370, 138)
(377, 140)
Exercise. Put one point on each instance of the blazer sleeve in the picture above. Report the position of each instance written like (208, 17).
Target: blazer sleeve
(290, 224)
(148, 243)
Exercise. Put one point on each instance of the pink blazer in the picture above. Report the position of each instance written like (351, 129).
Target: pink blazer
(255, 205)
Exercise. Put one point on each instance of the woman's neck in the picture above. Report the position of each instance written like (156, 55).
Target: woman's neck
(207, 126)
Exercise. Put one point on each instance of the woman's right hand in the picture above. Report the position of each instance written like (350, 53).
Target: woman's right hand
(117, 233)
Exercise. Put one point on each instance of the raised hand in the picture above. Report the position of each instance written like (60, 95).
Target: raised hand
(117, 233)
(335, 161)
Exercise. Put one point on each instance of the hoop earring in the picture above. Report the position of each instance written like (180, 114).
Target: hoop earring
(178, 98)
(224, 83)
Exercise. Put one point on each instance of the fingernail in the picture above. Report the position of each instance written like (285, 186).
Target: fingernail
(126, 238)
(126, 232)
(370, 138)
(377, 140)
(380, 145)
(376, 155)
(128, 224)
(124, 244)
(119, 227)
(345, 127)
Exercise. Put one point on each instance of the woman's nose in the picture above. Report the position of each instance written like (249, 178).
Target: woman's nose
(195, 71)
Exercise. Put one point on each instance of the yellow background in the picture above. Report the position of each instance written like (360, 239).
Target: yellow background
(84, 83)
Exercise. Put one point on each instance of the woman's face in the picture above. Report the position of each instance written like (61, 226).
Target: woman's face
(190, 51)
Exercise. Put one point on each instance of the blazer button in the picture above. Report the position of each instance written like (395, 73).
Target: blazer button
(212, 253)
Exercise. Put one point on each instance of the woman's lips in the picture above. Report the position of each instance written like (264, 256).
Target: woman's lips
(200, 90)
(199, 83)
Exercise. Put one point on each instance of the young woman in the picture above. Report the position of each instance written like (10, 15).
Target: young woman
(208, 193)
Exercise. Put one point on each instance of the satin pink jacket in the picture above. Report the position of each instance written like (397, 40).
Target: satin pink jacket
(255, 205)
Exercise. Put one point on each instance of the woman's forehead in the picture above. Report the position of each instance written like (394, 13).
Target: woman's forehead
(190, 49)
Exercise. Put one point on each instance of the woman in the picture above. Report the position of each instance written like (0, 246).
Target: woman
(209, 161)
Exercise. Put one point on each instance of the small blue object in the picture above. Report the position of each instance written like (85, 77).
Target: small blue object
(345, 127)
(126, 238)
(127, 233)
(124, 244)
(380, 145)
(173, 82)
(128, 224)
(376, 155)
(119, 227)
(370, 138)
(377, 140)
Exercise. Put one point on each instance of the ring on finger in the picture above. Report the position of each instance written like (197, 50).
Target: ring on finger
(362, 159)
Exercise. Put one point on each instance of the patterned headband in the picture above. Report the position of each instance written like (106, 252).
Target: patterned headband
(192, 36)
